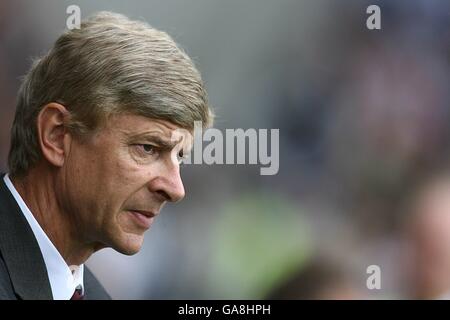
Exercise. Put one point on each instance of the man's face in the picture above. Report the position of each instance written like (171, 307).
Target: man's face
(114, 184)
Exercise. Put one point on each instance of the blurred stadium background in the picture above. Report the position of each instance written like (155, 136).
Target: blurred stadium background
(364, 145)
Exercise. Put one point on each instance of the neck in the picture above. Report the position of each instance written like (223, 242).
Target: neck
(37, 190)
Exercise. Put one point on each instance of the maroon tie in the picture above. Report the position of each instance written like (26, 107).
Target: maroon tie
(78, 294)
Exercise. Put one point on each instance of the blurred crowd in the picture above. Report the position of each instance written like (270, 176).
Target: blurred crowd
(364, 173)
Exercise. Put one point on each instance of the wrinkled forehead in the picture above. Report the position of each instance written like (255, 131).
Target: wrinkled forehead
(164, 132)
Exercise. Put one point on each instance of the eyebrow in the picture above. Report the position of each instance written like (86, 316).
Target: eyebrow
(156, 138)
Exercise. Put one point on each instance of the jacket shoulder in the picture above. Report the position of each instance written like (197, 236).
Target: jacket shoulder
(6, 288)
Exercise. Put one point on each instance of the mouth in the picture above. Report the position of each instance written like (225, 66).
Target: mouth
(143, 219)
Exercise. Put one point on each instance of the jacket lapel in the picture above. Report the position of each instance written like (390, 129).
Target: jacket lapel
(20, 250)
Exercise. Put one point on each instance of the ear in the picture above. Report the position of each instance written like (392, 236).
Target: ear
(54, 138)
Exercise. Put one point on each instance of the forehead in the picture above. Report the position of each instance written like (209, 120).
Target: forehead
(130, 124)
(129, 127)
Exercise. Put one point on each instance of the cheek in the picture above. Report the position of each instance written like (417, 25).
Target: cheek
(132, 174)
(122, 179)
(104, 179)
(91, 181)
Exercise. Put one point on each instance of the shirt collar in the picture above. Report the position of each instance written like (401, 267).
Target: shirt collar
(63, 279)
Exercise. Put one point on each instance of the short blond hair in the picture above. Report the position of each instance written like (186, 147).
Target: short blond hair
(110, 65)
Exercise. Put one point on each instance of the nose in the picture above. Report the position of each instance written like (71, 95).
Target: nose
(170, 186)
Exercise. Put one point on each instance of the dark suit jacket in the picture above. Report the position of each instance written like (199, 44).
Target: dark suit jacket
(23, 274)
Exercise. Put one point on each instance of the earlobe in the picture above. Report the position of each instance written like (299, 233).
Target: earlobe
(52, 133)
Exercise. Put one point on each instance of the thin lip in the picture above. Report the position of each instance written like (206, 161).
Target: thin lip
(149, 214)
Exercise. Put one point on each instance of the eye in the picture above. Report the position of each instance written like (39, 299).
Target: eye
(148, 148)
(181, 157)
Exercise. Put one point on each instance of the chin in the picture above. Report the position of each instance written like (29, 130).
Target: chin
(130, 244)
